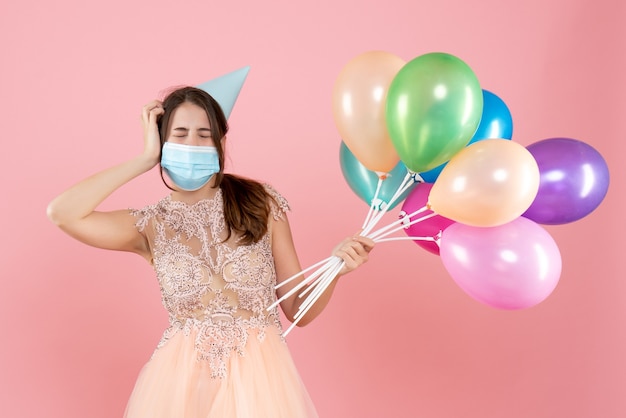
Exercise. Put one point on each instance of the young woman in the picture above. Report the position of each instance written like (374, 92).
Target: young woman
(219, 244)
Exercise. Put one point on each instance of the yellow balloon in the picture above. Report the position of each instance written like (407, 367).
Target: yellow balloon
(358, 105)
(488, 183)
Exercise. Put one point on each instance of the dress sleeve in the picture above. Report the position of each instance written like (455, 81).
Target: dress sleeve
(278, 203)
(142, 217)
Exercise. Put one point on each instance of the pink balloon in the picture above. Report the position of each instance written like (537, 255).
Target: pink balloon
(511, 266)
(415, 200)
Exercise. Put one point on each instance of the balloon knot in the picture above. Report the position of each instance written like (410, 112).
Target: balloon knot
(404, 219)
(416, 178)
(437, 238)
(379, 204)
(381, 175)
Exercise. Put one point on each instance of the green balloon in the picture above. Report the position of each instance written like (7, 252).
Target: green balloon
(433, 107)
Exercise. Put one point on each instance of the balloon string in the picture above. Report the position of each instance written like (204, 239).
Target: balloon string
(326, 274)
(303, 283)
(436, 239)
(373, 202)
(295, 276)
(406, 183)
(321, 278)
(328, 266)
(433, 239)
(410, 178)
(397, 222)
(372, 221)
(329, 276)
(380, 233)
(300, 285)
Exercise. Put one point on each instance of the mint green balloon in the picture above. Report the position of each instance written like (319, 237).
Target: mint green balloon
(433, 107)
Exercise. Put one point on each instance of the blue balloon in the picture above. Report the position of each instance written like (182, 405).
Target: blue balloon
(364, 182)
(496, 122)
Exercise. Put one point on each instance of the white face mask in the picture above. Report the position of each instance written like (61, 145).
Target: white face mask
(189, 166)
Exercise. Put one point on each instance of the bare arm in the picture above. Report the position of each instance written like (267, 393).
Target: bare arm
(74, 210)
(353, 250)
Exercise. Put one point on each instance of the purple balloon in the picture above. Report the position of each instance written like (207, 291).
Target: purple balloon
(574, 179)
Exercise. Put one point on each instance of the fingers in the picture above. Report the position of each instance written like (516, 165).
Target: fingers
(150, 115)
(367, 243)
(155, 104)
(152, 111)
(354, 251)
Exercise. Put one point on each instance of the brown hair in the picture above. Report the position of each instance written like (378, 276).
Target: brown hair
(246, 201)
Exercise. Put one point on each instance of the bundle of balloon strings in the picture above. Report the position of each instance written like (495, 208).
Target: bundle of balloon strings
(328, 269)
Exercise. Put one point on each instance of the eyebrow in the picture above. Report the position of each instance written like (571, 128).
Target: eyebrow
(186, 129)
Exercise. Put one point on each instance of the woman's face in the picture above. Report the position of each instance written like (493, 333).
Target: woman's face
(189, 125)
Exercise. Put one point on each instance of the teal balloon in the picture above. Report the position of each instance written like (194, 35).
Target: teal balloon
(364, 182)
(433, 107)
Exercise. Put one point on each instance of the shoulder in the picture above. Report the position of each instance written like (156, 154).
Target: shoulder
(278, 203)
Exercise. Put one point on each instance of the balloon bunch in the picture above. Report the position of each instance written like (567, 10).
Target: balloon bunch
(425, 133)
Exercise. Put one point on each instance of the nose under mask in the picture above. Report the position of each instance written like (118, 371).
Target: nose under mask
(189, 166)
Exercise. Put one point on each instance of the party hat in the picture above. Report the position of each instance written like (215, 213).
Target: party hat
(226, 88)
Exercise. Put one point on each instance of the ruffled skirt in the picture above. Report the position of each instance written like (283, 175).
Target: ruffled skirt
(263, 383)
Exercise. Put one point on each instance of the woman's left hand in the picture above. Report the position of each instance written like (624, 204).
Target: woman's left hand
(354, 251)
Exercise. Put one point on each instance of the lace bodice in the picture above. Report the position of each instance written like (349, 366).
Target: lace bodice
(221, 289)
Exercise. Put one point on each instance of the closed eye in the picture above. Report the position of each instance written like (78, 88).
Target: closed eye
(204, 133)
(180, 132)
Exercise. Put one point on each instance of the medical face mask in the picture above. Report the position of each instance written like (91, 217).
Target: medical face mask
(190, 167)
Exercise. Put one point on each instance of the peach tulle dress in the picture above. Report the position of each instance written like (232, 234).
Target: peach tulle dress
(223, 354)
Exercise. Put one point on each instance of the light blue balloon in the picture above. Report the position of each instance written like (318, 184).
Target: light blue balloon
(364, 182)
(496, 122)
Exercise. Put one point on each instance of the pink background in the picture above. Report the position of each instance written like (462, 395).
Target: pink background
(400, 339)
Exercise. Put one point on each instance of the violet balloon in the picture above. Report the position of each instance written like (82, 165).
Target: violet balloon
(573, 180)
(512, 266)
(415, 200)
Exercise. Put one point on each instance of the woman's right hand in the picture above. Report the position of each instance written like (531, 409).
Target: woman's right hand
(74, 210)
(152, 141)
